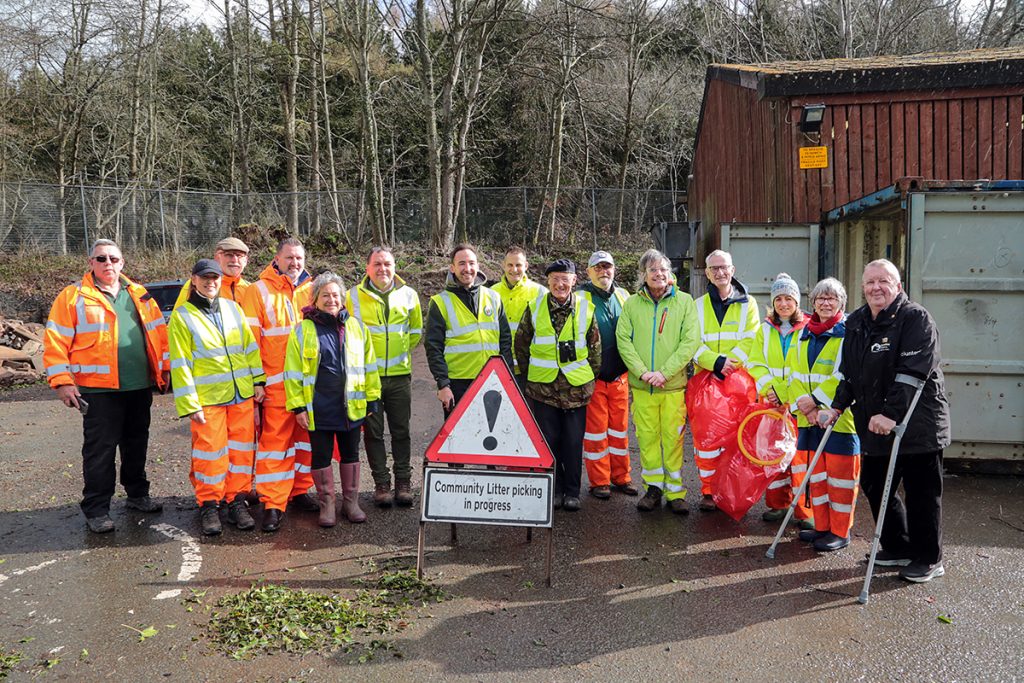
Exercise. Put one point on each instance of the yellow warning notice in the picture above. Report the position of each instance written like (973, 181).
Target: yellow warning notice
(813, 157)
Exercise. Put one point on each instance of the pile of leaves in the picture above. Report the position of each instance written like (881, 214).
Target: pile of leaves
(274, 618)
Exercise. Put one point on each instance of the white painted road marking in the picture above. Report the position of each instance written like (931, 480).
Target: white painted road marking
(19, 572)
(191, 558)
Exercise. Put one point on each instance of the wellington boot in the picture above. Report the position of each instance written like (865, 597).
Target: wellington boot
(323, 480)
(350, 492)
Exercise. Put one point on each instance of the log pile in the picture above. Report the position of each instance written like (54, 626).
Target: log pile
(21, 352)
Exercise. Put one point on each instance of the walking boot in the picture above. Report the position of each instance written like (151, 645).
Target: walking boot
(350, 492)
(209, 519)
(238, 513)
(403, 493)
(651, 499)
(707, 503)
(272, 519)
(304, 503)
(323, 480)
(382, 496)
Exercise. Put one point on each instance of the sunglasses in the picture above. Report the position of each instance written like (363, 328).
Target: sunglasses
(102, 258)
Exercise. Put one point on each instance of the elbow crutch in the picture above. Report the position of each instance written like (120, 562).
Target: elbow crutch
(898, 430)
(770, 554)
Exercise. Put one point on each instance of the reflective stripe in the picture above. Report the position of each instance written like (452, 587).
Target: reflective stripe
(674, 488)
(453, 321)
(210, 480)
(302, 469)
(709, 455)
(273, 455)
(546, 339)
(822, 397)
(91, 327)
(153, 324)
(52, 370)
(618, 451)
(842, 483)
(91, 369)
(302, 446)
(275, 379)
(652, 473)
(209, 455)
(797, 469)
(819, 500)
(60, 329)
(818, 477)
(180, 392)
(595, 456)
(779, 484)
(391, 362)
(181, 363)
(595, 436)
(277, 331)
(616, 433)
(513, 326)
(455, 349)
(239, 469)
(901, 377)
(840, 507)
(274, 476)
(241, 445)
(290, 374)
(707, 473)
(214, 379)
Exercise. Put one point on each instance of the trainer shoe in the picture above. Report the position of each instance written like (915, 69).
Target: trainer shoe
(883, 558)
(209, 519)
(100, 525)
(773, 515)
(707, 503)
(602, 492)
(629, 488)
(650, 501)
(919, 572)
(830, 542)
(678, 507)
(143, 504)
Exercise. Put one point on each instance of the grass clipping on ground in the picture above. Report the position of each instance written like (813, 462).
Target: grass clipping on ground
(275, 618)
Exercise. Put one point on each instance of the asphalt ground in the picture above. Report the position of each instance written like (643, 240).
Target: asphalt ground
(635, 596)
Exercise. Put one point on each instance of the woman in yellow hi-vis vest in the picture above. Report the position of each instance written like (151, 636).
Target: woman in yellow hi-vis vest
(330, 384)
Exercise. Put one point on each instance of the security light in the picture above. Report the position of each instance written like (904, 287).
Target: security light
(810, 118)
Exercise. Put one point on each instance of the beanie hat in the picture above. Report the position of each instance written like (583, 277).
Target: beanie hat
(784, 284)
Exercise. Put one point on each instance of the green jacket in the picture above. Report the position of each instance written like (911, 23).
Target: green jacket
(658, 336)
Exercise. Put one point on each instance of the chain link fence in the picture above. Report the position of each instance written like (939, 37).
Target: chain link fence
(66, 219)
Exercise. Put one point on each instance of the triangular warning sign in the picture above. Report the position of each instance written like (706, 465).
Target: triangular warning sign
(491, 425)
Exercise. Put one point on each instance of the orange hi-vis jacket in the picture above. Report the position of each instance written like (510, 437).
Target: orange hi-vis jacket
(80, 343)
(232, 288)
(273, 306)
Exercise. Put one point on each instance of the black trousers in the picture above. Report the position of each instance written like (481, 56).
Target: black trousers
(321, 443)
(913, 528)
(563, 429)
(116, 420)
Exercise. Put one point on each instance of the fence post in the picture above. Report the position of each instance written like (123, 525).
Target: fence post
(160, 203)
(526, 216)
(85, 215)
(593, 214)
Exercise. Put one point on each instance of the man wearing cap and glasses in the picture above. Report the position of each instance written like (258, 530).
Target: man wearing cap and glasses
(105, 350)
(605, 443)
(217, 373)
(232, 255)
(559, 347)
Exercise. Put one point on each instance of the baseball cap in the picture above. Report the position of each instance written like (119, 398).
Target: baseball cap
(206, 266)
(600, 257)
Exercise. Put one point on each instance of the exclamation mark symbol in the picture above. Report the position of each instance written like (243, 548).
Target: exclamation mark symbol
(492, 402)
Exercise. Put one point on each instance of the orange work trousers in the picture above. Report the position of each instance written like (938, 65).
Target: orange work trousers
(781, 490)
(222, 452)
(833, 485)
(606, 441)
(283, 457)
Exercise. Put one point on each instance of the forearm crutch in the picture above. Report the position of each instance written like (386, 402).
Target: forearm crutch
(770, 554)
(898, 430)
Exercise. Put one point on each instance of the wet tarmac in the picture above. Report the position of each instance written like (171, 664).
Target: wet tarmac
(635, 597)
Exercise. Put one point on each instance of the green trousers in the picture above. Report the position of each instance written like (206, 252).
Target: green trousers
(396, 404)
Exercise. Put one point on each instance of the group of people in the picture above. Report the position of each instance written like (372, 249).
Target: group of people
(281, 376)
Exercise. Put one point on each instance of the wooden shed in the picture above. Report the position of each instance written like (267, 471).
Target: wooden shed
(942, 116)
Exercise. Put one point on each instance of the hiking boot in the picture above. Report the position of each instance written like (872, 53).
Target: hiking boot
(238, 514)
(678, 507)
(883, 558)
(810, 535)
(651, 500)
(403, 494)
(209, 519)
(272, 520)
(304, 503)
(773, 515)
(602, 492)
(382, 496)
(920, 572)
(143, 504)
(100, 525)
(628, 488)
(707, 503)
(830, 542)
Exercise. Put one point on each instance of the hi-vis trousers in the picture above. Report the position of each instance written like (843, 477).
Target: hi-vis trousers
(222, 452)
(284, 457)
(781, 490)
(606, 442)
(659, 420)
(833, 488)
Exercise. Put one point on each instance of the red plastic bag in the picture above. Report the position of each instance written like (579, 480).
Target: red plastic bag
(739, 483)
(715, 407)
(768, 435)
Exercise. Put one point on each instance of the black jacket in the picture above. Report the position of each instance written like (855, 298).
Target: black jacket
(433, 336)
(902, 340)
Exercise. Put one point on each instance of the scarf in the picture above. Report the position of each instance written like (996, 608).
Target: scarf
(817, 327)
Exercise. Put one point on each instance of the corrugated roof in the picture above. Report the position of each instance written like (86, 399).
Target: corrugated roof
(970, 68)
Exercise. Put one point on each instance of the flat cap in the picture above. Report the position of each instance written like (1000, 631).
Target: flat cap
(232, 244)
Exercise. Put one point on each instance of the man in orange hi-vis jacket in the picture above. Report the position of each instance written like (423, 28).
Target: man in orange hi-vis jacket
(273, 305)
(105, 350)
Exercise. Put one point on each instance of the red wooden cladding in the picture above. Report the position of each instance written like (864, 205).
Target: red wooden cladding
(747, 162)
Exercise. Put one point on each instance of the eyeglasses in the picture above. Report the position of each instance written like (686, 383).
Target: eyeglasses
(719, 269)
(654, 271)
(602, 266)
(827, 299)
(102, 258)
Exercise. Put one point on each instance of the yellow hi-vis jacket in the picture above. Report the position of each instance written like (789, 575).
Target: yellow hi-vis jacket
(394, 320)
(80, 341)
(819, 380)
(302, 360)
(545, 363)
(470, 339)
(767, 365)
(516, 299)
(231, 288)
(732, 339)
(209, 363)
(273, 306)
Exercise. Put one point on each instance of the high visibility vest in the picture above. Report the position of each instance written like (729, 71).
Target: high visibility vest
(273, 306)
(395, 336)
(80, 341)
(469, 339)
(732, 339)
(619, 293)
(517, 298)
(207, 364)
(302, 360)
(545, 363)
(818, 381)
(231, 288)
(767, 365)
